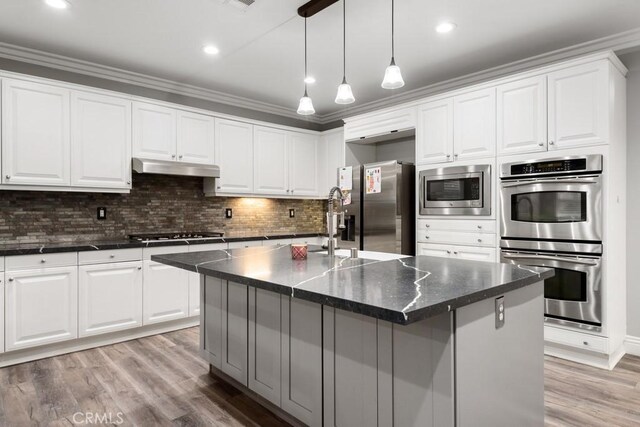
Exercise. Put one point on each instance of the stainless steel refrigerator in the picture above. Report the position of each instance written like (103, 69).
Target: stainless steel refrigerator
(381, 215)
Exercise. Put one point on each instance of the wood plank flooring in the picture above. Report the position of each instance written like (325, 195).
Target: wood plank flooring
(161, 381)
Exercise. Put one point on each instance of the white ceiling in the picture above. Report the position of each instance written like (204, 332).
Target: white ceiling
(262, 48)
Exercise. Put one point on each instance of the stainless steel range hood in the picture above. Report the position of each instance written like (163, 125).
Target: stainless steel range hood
(169, 167)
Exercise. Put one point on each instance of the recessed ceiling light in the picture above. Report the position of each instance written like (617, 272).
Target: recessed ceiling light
(445, 27)
(58, 4)
(309, 80)
(211, 50)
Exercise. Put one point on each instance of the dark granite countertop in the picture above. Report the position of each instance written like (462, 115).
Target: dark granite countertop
(401, 291)
(8, 249)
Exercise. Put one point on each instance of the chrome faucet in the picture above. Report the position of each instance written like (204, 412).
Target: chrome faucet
(331, 245)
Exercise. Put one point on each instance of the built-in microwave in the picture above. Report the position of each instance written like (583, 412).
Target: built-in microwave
(456, 190)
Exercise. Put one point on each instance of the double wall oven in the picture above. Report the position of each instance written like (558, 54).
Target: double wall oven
(551, 216)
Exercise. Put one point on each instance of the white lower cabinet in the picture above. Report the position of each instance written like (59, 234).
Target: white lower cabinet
(211, 320)
(474, 253)
(166, 293)
(350, 369)
(110, 297)
(234, 331)
(41, 306)
(302, 360)
(264, 344)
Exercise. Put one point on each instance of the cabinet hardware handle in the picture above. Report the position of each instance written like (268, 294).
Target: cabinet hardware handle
(128, 182)
(551, 142)
(426, 237)
(479, 227)
(292, 191)
(173, 156)
(287, 191)
(541, 144)
(455, 252)
(112, 256)
(43, 260)
(448, 155)
(218, 187)
(479, 240)
(11, 279)
(427, 225)
(585, 343)
(139, 268)
(180, 156)
(8, 176)
(455, 155)
(448, 252)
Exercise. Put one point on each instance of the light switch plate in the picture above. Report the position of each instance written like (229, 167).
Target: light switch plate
(228, 213)
(102, 213)
(500, 312)
(292, 213)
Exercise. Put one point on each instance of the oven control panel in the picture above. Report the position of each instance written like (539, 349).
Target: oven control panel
(549, 166)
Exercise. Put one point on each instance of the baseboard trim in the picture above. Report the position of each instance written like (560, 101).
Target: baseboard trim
(56, 349)
(632, 345)
(597, 360)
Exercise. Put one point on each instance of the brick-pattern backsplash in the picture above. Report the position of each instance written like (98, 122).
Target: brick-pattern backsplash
(157, 203)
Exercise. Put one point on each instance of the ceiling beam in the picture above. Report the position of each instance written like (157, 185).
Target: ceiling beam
(312, 7)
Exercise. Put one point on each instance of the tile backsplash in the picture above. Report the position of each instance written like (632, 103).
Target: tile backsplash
(157, 203)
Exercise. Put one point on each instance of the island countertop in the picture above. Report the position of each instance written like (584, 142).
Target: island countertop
(401, 291)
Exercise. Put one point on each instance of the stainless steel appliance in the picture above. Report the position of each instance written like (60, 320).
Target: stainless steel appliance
(172, 167)
(381, 215)
(551, 216)
(456, 190)
(573, 297)
(159, 237)
(558, 199)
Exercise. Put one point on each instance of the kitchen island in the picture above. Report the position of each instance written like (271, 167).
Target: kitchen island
(412, 341)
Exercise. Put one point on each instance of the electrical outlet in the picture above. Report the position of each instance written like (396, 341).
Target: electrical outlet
(292, 213)
(228, 213)
(102, 213)
(499, 312)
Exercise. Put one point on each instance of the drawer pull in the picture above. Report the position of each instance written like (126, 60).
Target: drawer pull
(427, 225)
(585, 342)
(479, 240)
(139, 268)
(479, 227)
(11, 279)
(426, 237)
(43, 260)
(112, 256)
(455, 252)
(448, 252)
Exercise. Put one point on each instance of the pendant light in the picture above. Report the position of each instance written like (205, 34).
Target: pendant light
(345, 95)
(305, 107)
(392, 75)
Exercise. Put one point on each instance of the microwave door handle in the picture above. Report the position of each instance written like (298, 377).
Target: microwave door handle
(550, 258)
(548, 181)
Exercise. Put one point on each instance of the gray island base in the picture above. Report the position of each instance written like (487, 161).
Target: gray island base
(412, 341)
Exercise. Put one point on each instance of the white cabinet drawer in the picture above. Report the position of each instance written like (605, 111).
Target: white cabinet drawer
(247, 244)
(473, 253)
(308, 240)
(105, 256)
(1, 263)
(457, 238)
(576, 339)
(208, 247)
(481, 226)
(25, 262)
(147, 252)
(428, 249)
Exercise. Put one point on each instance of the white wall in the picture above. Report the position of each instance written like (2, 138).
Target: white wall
(632, 61)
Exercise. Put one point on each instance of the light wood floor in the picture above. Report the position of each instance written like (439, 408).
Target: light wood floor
(161, 380)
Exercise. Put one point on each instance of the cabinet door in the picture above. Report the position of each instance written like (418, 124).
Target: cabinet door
(579, 106)
(271, 173)
(41, 307)
(474, 125)
(211, 323)
(165, 293)
(195, 138)
(350, 369)
(35, 134)
(110, 297)
(234, 155)
(1, 312)
(475, 253)
(303, 164)
(234, 331)
(264, 344)
(435, 132)
(380, 123)
(522, 116)
(335, 148)
(430, 249)
(194, 294)
(302, 360)
(100, 141)
(154, 132)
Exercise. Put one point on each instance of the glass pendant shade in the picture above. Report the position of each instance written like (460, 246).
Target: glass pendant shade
(305, 108)
(345, 94)
(392, 77)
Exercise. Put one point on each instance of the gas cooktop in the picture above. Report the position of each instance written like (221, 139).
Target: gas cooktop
(153, 237)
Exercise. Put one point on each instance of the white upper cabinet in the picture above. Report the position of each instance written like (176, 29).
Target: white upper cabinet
(303, 164)
(234, 155)
(271, 172)
(474, 124)
(35, 134)
(434, 133)
(380, 123)
(522, 116)
(331, 148)
(195, 138)
(100, 141)
(579, 106)
(154, 131)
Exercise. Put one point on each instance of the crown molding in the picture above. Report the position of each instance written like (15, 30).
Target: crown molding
(50, 60)
(617, 42)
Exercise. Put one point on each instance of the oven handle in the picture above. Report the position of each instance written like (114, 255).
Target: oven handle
(551, 258)
(548, 181)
